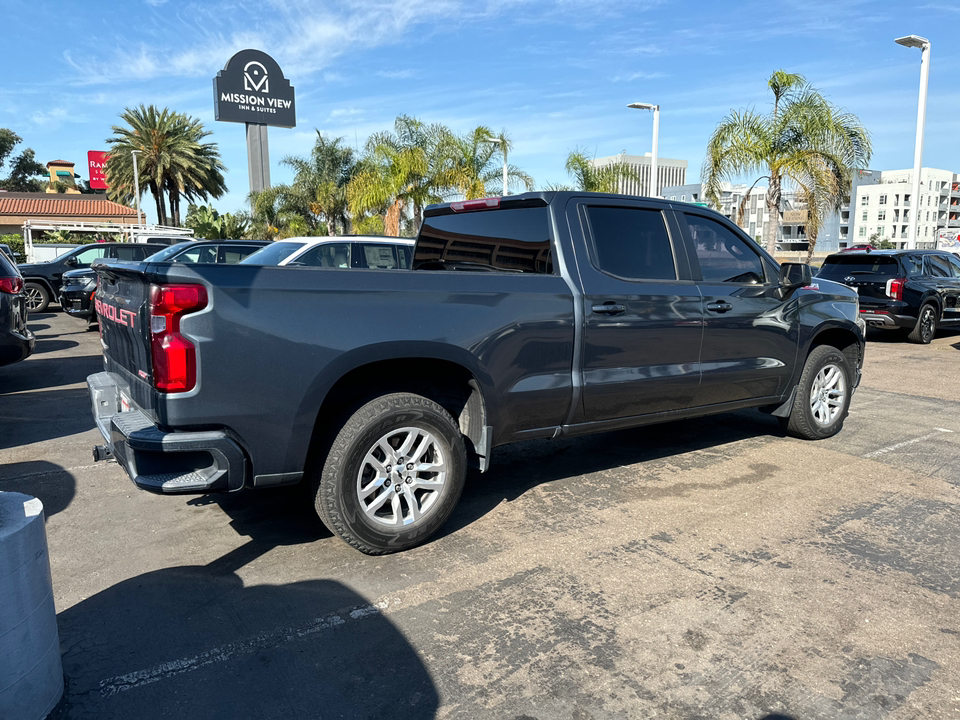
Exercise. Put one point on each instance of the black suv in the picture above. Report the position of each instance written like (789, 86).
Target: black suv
(79, 285)
(16, 341)
(42, 280)
(909, 290)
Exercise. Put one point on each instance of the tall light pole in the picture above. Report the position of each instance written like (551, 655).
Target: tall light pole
(502, 142)
(654, 190)
(136, 183)
(918, 42)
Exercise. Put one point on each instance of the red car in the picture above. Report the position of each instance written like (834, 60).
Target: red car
(854, 248)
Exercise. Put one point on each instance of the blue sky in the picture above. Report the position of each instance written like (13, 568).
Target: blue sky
(556, 76)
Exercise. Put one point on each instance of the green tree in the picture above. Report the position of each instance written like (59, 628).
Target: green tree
(173, 160)
(587, 177)
(320, 183)
(24, 168)
(207, 223)
(475, 165)
(804, 141)
(401, 171)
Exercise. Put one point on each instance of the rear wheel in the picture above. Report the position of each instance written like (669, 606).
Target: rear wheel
(823, 395)
(393, 474)
(926, 326)
(36, 296)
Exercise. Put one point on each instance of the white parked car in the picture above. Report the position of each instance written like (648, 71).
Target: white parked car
(340, 251)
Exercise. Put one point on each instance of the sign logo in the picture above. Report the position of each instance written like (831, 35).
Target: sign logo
(849, 279)
(251, 72)
(97, 165)
(251, 88)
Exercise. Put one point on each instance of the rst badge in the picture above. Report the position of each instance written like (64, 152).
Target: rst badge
(115, 314)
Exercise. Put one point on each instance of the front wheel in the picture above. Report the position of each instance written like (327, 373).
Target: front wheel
(393, 474)
(36, 296)
(926, 326)
(823, 395)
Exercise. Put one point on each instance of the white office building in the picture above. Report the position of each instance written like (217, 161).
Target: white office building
(669, 171)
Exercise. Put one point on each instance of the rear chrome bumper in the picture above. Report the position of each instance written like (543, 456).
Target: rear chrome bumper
(160, 461)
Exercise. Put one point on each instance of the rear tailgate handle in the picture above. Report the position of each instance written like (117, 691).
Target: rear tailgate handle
(720, 307)
(609, 308)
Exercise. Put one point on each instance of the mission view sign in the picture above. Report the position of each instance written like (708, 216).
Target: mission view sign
(251, 88)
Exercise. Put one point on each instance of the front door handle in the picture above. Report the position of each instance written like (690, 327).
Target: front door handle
(609, 308)
(720, 307)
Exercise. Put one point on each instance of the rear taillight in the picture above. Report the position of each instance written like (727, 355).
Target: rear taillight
(471, 205)
(174, 357)
(11, 285)
(895, 288)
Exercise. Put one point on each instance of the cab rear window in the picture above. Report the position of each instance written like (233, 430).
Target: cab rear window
(510, 239)
(840, 266)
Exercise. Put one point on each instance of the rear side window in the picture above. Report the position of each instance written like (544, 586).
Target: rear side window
(516, 239)
(723, 256)
(837, 267)
(379, 257)
(205, 255)
(332, 255)
(230, 254)
(937, 266)
(631, 243)
(954, 265)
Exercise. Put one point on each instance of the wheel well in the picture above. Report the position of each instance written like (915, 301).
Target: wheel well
(41, 281)
(843, 340)
(450, 385)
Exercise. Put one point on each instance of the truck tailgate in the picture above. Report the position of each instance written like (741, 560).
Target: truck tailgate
(121, 304)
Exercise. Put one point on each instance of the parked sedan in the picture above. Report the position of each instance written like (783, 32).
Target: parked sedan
(16, 341)
(343, 251)
(76, 295)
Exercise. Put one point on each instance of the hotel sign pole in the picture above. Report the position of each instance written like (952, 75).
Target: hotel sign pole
(251, 89)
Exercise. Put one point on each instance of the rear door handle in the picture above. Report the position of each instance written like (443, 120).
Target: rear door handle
(720, 307)
(609, 308)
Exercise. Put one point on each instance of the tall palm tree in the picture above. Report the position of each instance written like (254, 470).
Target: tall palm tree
(321, 181)
(590, 178)
(475, 164)
(173, 161)
(804, 141)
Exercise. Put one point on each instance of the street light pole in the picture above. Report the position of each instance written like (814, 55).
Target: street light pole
(136, 183)
(654, 186)
(924, 45)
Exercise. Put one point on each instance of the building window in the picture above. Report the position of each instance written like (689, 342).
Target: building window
(863, 232)
(864, 200)
(683, 198)
(673, 197)
(881, 216)
(883, 199)
(863, 217)
(880, 231)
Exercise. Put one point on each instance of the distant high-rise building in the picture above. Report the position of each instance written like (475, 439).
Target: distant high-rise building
(670, 172)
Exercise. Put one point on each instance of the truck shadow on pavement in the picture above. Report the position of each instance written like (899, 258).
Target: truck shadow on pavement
(518, 468)
(193, 641)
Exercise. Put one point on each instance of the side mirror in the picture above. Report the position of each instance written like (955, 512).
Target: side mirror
(71, 261)
(794, 275)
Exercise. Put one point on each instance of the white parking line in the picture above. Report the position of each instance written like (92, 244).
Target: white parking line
(111, 686)
(891, 448)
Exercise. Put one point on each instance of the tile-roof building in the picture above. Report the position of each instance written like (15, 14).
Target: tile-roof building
(17, 207)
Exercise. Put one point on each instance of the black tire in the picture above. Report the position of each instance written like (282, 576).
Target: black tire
(825, 372)
(926, 326)
(357, 456)
(37, 297)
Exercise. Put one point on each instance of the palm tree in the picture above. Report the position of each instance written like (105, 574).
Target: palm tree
(590, 178)
(172, 160)
(804, 141)
(474, 164)
(321, 181)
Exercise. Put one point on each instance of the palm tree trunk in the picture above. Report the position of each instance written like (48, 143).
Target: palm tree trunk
(161, 206)
(811, 245)
(175, 207)
(391, 221)
(771, 228)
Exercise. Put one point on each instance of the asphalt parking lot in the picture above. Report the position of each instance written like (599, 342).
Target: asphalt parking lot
(702, 569)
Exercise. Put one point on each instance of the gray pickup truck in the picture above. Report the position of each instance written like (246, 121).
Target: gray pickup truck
(532, 316)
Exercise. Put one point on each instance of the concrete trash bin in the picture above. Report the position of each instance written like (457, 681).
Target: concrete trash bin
(31, 675)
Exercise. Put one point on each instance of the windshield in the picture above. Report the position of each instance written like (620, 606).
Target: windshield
(167, 252)
(837, 267)
(272, 254)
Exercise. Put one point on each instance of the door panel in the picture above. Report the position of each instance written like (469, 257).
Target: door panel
(642, 325)
(750, 335)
